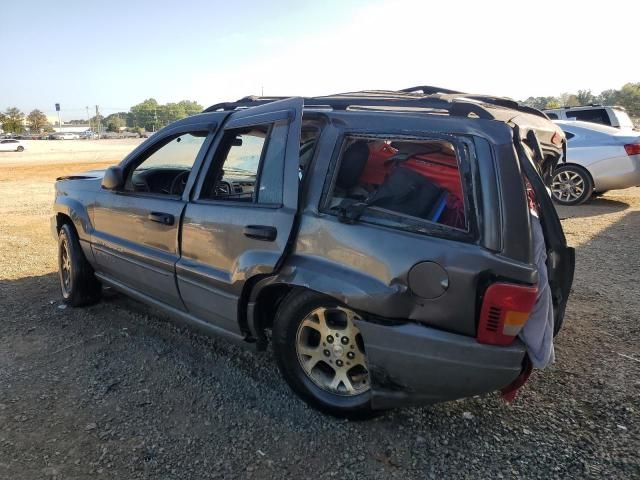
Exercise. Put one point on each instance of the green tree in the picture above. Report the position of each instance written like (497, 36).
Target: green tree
(150, 115)
(190, 107)
(608, 97)
(541, 102)
(585, 97)
(569, 100)
(95, 122)
(13, 120)
(554, 103)
(145, 115)
(114, 123)
(37, 120)
(629, 98)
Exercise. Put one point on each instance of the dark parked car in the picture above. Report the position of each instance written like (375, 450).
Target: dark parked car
(380, 240)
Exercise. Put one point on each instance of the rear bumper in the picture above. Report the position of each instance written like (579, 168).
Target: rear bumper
(412, 364)
(616, 173)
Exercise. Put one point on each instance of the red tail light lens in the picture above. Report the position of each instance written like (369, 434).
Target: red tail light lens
(632, 148)
(505, 310)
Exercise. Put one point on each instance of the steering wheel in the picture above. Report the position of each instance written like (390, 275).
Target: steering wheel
(179, 183)
(221, 189)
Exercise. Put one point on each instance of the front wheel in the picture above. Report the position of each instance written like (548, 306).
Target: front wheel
(78, 284)
(20, 149)
(321, 354)
(571, 185)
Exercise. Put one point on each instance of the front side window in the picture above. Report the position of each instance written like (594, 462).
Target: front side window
(248, 166)
(166, 169)
(413, 179)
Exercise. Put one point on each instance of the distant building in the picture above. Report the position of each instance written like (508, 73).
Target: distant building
(71, 128)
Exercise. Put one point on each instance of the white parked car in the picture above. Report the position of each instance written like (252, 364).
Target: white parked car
(65, 136)
(11, 145)
(613, 116)
(599, 158)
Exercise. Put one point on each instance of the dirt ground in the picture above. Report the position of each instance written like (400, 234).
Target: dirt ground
(117, 391)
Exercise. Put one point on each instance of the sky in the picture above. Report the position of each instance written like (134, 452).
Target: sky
(118, 53)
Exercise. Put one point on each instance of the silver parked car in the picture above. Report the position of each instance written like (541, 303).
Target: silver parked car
(599, 158)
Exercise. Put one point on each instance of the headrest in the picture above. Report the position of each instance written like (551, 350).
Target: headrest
(353, 162)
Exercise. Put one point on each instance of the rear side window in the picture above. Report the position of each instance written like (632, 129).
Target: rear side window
(623, 118)
(569, 135)
(596, 115)
(407, 180)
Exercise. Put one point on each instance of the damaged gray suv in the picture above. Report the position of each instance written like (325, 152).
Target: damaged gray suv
(380, 240)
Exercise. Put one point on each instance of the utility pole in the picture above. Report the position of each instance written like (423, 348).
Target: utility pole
(58, 110)
(88, 117)
(98, 119)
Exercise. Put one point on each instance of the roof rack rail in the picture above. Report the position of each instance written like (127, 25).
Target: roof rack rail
(427, 90)
(250, 101)
(374, 98)
(491, 100)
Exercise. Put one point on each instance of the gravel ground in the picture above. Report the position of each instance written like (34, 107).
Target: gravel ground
(118, 391)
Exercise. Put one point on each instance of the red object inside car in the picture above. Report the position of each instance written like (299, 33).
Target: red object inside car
(440, 168)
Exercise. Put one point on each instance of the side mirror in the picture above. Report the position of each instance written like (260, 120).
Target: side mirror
(113, 178)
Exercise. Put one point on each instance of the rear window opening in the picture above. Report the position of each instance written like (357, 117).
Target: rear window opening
(417, 179)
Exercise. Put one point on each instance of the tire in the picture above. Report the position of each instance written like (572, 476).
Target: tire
(20, 149)
(78, 284)
(571, 185)
(298, 323)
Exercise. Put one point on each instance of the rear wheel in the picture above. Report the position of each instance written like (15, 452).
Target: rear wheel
(321, 354)
(78, 284)
(571, 185)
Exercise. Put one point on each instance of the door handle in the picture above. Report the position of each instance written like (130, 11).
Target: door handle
(160, 217)
(260, 232)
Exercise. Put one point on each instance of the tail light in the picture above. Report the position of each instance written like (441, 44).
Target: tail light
(632, 148)
(505, 310)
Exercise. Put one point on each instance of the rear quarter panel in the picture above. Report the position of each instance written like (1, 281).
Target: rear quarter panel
(367, 266)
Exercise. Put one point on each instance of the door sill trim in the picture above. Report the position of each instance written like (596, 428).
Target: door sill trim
(182, 317)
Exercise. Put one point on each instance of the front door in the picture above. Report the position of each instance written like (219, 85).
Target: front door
(135, 241)
(242, 211)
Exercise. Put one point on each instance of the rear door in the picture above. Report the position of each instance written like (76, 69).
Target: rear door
(242, 211)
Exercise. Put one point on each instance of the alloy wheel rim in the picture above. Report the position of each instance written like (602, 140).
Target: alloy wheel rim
(65, 268)
(567, 186)
(331, 352)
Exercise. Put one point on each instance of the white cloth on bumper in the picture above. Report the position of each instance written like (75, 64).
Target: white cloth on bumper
(537, 333)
